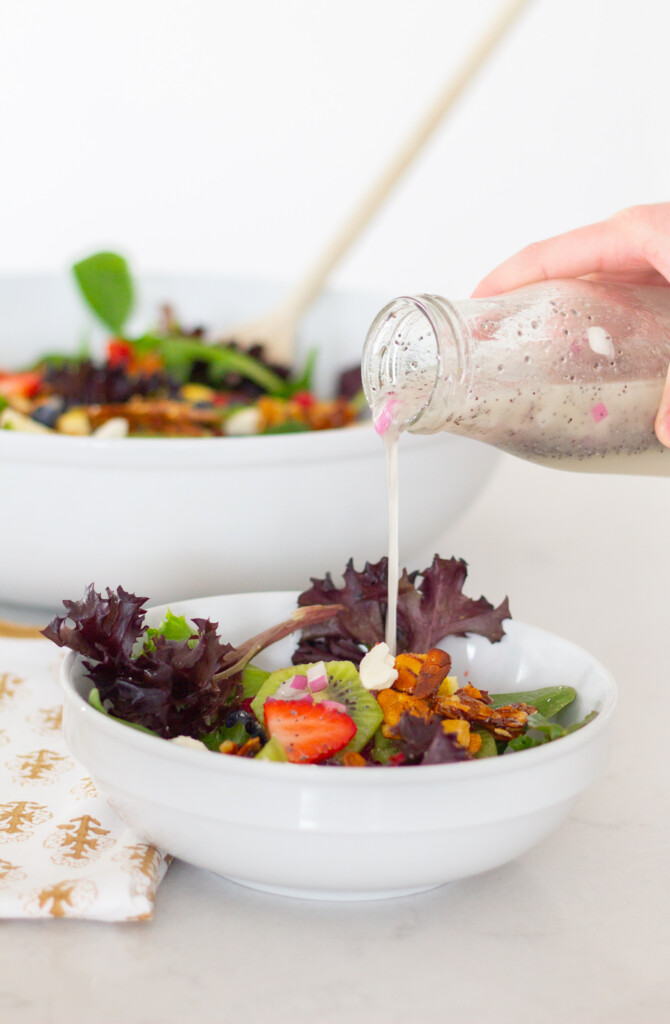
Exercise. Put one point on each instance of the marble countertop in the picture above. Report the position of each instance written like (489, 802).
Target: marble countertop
(576, 930)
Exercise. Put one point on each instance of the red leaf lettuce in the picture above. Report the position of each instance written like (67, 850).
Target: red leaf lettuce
(431, 605)
(173, 687)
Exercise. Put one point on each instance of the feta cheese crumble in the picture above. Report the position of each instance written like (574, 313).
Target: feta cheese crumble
(377, 669)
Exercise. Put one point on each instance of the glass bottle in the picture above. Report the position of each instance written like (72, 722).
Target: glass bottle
(567, 373)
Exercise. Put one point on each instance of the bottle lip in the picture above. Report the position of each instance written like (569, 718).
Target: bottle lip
(406, 342)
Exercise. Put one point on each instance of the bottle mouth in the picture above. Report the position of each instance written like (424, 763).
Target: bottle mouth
(402, 358)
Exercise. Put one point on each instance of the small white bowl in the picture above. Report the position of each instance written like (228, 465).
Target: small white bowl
(182, 517)
(326, 832)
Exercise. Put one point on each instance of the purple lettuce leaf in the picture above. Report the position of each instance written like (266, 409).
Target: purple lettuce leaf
(427, 612)
(176, 687)
(426, 742)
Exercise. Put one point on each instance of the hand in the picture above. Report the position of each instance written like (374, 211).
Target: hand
(632, 247)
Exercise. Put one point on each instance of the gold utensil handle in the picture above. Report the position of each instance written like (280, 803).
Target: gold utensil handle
(19, 630)
(310, 286)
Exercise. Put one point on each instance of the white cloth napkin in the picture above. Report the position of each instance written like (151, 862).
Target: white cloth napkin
(63, 851)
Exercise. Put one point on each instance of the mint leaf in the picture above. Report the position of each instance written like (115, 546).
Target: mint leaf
(106, 284)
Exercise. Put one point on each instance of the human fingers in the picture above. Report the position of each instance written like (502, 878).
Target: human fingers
(632, 246)
(663, 417)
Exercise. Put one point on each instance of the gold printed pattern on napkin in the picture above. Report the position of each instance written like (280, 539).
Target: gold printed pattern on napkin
(78, 841)
(85, 788)
(53, 821)
(10, 873)
(46, 720)
(8, 686)
(20, 818)
(42, 766)
(62, 899)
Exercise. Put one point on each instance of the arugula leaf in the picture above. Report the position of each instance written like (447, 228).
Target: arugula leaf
(427, 612)
(107, 287)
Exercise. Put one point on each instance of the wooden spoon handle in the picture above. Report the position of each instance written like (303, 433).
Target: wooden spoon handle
(307, 289)
(19, 630)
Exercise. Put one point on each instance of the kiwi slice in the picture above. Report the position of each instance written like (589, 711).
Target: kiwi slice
(344, 686)
(272, 751)
(383, 748)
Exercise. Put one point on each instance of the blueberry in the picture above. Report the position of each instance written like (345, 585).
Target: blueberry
(251, 724)
(49, 411)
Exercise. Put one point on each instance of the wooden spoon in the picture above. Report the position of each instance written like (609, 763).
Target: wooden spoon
(276, 330)
(19, 630)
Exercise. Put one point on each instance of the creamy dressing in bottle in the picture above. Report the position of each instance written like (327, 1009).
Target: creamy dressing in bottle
(567, 374)
(564, 373)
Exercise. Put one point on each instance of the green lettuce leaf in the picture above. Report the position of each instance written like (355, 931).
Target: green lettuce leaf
(106, 284)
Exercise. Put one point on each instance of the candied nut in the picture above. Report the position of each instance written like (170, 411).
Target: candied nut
(352, 759)
(473, 691)
(422, 674)
(434, 669)
(408, 667)
(459, 728)
(393, 703)
(475, 743)
(504, 722)
(250, 748)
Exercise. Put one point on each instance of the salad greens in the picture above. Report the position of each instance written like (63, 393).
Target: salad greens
(181, 680)
(107, 286)
(428, 610)
(169, 381)
(172, 686)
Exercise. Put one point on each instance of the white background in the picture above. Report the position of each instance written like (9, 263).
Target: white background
(234, 137)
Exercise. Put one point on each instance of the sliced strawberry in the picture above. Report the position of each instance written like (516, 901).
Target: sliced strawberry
(309, 733)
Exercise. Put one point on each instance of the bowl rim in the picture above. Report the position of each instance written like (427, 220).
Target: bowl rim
(148, 745)
(355, 441)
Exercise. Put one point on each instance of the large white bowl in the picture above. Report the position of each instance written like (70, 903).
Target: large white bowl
(186, 517)
(342, 833)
